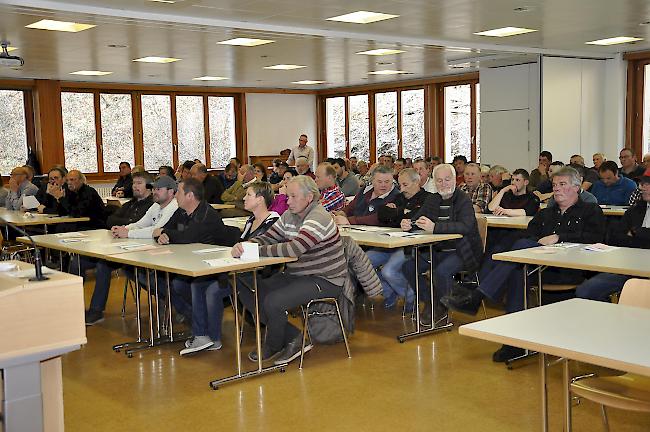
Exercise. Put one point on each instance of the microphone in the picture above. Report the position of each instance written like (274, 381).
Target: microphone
(38, 264)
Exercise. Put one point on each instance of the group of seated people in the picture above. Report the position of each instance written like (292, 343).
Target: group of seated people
(424, 195)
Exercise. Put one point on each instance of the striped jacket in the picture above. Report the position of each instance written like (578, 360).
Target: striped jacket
(313, 239)
(332, 198)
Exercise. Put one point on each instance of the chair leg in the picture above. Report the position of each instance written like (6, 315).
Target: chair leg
(484, 309)
(345, 338)
(126, 288)
(603, 410)
(305, 316)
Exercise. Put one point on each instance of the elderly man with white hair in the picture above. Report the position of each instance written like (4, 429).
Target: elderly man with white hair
(570, 220)
(308, 233)
(80, 200)
(449, 211)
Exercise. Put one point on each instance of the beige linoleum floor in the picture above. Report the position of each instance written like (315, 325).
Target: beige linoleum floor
(444, 382)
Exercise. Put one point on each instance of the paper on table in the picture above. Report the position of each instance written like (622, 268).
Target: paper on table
(217, 262)
(600, 247)
(30, 202)
(210, 250)
(402, 234)
(251, 252)
(70, 235)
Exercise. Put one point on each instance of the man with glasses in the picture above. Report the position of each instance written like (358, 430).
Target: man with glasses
(629, 167)
(19, 187)
(45, 195)
(301, 150)
(540, 174)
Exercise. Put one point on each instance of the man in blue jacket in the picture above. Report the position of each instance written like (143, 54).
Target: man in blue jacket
(612, 188)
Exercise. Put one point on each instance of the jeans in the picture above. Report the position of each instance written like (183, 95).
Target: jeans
(445, 265)
(207, 307)
(601, 286)
(279, 293)
(103, 272)
(391, 276)
(506, 278)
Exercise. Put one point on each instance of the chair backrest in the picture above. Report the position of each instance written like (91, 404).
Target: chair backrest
(636, 292)
(482, 229)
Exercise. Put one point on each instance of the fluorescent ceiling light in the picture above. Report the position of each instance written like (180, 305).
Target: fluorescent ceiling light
(247, 42)
(90, 73)
(284, 67)
(505, 31)
(163, 1)
(381, 52)
(362, 17)
(63, 26)
(209, 78)
(614, 40)
(308, 82)
(154, 59)
(387, 72)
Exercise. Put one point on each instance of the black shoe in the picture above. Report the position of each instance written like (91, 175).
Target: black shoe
(267, 354)
(425, 315)
(507, 352)
(94, 317)
(465, 303)
(292, 351)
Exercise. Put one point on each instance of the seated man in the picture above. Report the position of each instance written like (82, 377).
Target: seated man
(212, 187)
(79, 200)
(515, 200)
(426, 181)
(19, 187)
(123, 187)
(632, 231)
(398, 166)
(166, 170)
(449, 211)
(348, 183)
(408, 202)
(612, 188)
(331, 197)
(278, 171)
(571, 220)
(235, 193)
(541, 174)
(306, 232)
(229, 176)
(303, 167)
(636, 195)
(589, 176)
(498, 177)
(478, 192)
(362, 210)
(544, 190)
(459, 162)
(56, 182)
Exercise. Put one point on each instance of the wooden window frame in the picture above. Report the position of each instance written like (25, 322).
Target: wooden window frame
(28, 110)
(634, 112)
(443, 111)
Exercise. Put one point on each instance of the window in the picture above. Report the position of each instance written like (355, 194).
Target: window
(13, 131)
(79, 133)
(645, 145)
(413, 123)
(359, 127)
(336, 127)
(458, 138)
(386, 121)
(157, 131)
(222, 130)
(190, 127)
(117, 130)
(477, 137)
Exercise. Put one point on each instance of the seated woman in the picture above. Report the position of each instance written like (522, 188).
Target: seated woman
(260, 172)
(305, 232)
(208, 293)
(279, 204)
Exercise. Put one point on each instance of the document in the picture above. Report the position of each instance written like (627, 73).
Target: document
(211, 250)
(30, 202)
(222, 262)
(251, 251)
(70, 235)
(600, 247)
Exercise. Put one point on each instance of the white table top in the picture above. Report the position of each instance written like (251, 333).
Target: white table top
(514, 222)
(626, 261)
(19, 218)
(222, 206)
(237, 222)
(604, 334)
(372, 236)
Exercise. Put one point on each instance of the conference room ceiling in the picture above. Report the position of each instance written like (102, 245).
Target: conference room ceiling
(437, 37)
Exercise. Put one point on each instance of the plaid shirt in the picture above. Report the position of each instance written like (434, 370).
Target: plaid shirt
(332, 198)
(480, 195)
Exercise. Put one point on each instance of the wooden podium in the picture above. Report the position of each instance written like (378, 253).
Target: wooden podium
(39, 321)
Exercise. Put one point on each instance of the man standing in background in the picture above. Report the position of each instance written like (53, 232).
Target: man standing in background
(301, 150)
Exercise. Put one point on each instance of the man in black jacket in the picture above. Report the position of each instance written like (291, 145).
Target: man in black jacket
(632, 231)
(79, 200)
(449, 211)
(133, 210)
(571, 220)
(124, 186)
(56, 181)
(212, 187)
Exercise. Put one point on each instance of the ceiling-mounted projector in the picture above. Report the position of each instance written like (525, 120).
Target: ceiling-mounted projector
(9, 60)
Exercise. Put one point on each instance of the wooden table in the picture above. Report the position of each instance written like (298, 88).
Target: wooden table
(514, 222)
(222, 206)
(614, 210)
(33, 336)
(237, 222)
(577, 329)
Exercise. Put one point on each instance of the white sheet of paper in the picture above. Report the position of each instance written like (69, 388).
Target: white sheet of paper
(211, 250)
(70, 235)
(30, 202)
(217, 262)
(251, 252)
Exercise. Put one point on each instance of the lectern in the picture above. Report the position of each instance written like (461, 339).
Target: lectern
(39, 321)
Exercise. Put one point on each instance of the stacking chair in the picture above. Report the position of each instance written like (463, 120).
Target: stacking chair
(14, 251)
(628, 391)
(305, 329)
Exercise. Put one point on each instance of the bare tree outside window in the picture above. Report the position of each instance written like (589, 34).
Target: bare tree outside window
(157, 131)
(222, 130)
(335, 127)
(13, 133)
(190, 127)
(117, 130)
(413, 123)
(645, 145)
(386, 123)
(359, 124)
(457, 122)
(79, 137)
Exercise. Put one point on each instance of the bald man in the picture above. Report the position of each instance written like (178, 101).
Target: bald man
(19, 187)
(80, 200)
(212, 187)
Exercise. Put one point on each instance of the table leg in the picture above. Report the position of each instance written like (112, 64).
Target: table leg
(22, 400)
(527, 354)
(566, 383)
(215, 384)
(544, 388)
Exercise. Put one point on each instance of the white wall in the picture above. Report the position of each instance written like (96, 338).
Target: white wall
(510, 116)
(615, 94)
(275, 121)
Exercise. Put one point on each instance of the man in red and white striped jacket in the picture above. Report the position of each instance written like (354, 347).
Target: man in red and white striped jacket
(306, 232)
(331, 196)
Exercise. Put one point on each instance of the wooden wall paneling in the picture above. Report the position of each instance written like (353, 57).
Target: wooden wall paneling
(136, 115)
(241, 136)
(172, 107)
(373, 128)
(400, 139)
(30, 126)
(347, 126)
(440, 120)
(472, 120)
(98, 134)
(48, 123)
(428, 131)
(321, 127)
(206, 131)
(158, 89)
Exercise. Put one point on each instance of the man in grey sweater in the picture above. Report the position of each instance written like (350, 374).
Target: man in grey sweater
(19, 187)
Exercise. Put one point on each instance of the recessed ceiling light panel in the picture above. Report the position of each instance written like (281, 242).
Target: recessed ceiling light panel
(387, 72)
(154, 59)
(63, 26)
(614, 40)
(362, 17)
(505, 32)
(91, 73)
(284, 67)
(210, 78)
(381, 52)
(247, 42)
(308, 82)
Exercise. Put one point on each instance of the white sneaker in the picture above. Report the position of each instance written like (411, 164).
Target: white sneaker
(217, 346)
(197, 343)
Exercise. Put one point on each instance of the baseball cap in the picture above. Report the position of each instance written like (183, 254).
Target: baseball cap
(165, 182)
